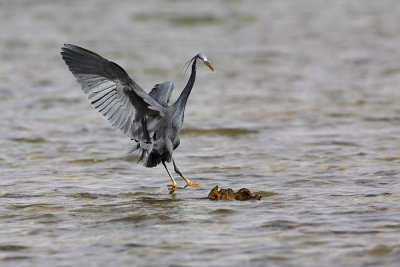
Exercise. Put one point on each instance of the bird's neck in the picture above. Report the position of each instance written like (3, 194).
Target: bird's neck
(180, 104)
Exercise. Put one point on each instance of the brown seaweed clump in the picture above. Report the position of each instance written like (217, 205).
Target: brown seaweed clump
(223, 194)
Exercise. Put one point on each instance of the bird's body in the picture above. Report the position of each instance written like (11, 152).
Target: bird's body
(148, 119)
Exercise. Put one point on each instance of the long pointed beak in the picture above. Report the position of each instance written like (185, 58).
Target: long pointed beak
(208, 65)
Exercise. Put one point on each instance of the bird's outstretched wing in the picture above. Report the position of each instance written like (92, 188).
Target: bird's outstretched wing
(161, 92)
(113, 93)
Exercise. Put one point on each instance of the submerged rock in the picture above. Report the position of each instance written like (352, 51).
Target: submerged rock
(242, 194)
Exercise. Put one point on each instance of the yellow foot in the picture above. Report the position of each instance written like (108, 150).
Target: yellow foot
(189, 183)
(172, 188)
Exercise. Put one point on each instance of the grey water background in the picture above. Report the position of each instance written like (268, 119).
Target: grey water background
(303, 109)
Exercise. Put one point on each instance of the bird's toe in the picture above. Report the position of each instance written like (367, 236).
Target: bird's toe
(172, 188)
(192, 184)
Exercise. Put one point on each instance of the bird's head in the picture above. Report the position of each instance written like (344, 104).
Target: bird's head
(203, 58)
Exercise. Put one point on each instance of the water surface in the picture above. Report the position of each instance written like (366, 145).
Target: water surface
(303, 110)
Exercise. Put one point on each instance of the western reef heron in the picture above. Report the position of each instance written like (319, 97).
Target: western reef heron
(148, 119)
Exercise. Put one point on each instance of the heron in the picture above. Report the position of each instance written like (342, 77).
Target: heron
(147, 118)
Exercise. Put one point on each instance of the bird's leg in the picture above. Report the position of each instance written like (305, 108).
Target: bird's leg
(172, 187)
(188, 182)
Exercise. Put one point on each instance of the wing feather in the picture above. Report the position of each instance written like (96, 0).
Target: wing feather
(112, 92)
(161, 92)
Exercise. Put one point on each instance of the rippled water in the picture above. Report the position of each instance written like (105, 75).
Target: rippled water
(303, 110)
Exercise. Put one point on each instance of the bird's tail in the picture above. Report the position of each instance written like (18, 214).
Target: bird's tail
(149, 157)
(151, 160)
(144, 151)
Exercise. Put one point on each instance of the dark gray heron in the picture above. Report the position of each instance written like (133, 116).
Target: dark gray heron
(148, 119)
